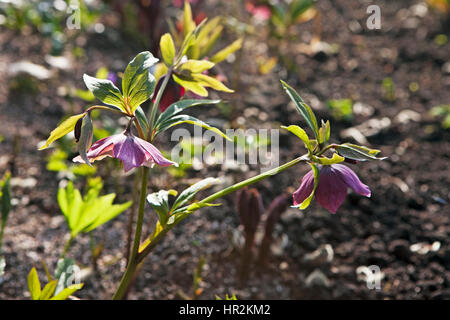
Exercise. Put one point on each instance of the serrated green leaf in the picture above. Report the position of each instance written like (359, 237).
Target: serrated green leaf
(34, 286)
(224, 53)
(64, 128)
(357, 153)
(105, 91)
(167, 48)
(303, 109)
(300, 133)
(190, 192)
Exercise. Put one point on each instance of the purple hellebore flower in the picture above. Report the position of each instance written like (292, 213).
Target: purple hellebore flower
(334, 180)
(131, 150)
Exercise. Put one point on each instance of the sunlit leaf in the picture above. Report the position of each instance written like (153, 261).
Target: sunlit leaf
(167, 48)
(191, 85)
(196, 66)
(299, 132)
(160, 203)
(48, 290)
(328, 161)
(208, 81)
(303, 109)
(64, 128)
(358, 153)
(190, 192)
(105, 91)
(224, 53)
(34, 286)
(67, 292)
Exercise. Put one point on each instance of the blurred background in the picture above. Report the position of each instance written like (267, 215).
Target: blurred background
(386, 88)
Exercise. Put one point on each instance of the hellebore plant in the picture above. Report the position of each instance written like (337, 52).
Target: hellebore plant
(328, 180)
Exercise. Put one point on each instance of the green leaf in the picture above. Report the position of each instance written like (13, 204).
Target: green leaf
(108, 213)
(142, 118)
(105, 91)
(204, 48)
(208, 81)
(299, 132)
(224, 53)
(64, 294)
(359, 153)
(305, 204)
(167, 48)
(160, 202)
(138, 83)
(191, 85)
(34, 286)
(298, 7)
(324, 132)
(183, 118)
(5, 196)
(195, 206)
(48, 290)
(87, 133)
(64, 128)
(70, 202)
(303, 109)
(188, 21)
(328, 161)
(190, 192)
(196, 66)
(179, 106)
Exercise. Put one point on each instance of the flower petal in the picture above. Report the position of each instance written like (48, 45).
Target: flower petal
(153, 155)
(305, 188)
(129, 152)
(99, 150)
(352, 180)
(332, 189)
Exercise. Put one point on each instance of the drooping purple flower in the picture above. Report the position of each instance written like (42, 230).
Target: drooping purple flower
(131, 150)
(334, 180)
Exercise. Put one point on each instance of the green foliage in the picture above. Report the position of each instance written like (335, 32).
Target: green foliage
(172, 117)
(389, 89)
(444, 112)
(48, 292)
(64, 128)
(84, 214)
(341, 109)
(286, 14)
(358, 153)
(5, 203)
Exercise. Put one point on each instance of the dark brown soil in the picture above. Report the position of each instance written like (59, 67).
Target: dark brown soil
(410, 190)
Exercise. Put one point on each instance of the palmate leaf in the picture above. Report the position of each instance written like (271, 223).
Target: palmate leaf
(183, 118)
(303, 109)
(84, 215)
(64, 128)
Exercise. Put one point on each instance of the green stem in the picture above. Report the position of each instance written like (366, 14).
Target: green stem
(155, 106)
(149, 248)
(2, 230)
(66, 247)
(132, 263)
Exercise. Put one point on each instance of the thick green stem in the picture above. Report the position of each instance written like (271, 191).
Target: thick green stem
(149, 248)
